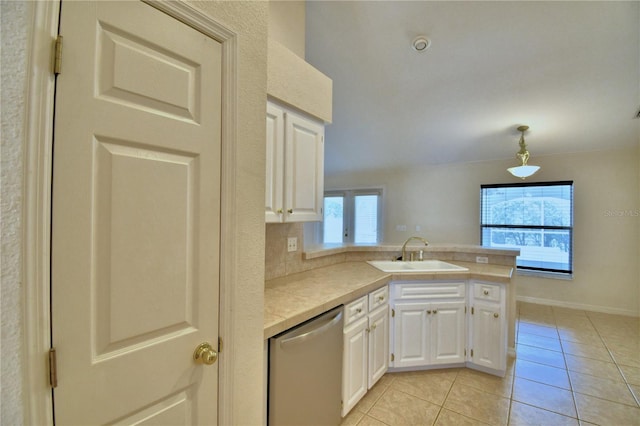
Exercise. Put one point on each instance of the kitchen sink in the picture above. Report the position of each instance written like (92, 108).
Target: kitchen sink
(416, 266)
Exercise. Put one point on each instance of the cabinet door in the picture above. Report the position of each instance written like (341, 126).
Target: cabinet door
(354, 362)
(274, 164)
(410, 335)
(378, 344)
(304, 165)
(488, 337)
(447, 332)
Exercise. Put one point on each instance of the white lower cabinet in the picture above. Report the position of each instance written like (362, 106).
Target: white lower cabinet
(429, 324)
(488, 328)
(437, 324)
(354, 364)
(378, 361)
(366, 346)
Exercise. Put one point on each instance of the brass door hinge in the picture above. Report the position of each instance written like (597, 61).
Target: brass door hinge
(465, 352)
(393, 313)
(220, 344)
(393, 357)
(57, 55)
(53, 368)
(472, 310)
(471, 353)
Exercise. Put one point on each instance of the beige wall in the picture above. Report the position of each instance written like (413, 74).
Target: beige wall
(287, 24)
(444, 202)
(249, 21)
(16, 17)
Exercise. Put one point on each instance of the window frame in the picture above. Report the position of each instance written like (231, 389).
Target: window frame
(348, 213)
(533, 270)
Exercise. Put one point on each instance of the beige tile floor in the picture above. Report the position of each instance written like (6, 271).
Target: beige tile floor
(572, 367)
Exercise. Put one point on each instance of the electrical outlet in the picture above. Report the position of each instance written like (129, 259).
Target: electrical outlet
(292, 244)
(482, 259)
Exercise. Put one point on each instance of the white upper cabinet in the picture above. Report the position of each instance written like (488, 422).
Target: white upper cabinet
(294, 168)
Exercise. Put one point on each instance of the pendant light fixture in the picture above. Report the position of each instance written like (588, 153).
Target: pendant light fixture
(523, 171)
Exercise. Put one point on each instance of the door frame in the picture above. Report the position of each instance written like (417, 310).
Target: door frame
(38, 166)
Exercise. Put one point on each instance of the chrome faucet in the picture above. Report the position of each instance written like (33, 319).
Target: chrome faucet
(404, 246)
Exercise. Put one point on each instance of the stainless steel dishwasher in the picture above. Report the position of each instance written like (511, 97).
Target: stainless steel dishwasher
(305, 372)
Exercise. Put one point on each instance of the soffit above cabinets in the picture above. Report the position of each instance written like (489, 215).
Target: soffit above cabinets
(295, 82)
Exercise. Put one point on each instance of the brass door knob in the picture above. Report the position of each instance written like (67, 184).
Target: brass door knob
(496, 315)
(204, 354)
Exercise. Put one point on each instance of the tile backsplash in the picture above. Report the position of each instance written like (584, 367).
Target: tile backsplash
(279, 262)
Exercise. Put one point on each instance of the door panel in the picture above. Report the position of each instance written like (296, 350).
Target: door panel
(274, 188)
(136, 217)
(448, 333)
(354, 361)
(304, 174)
(411, 334)
(378, 345)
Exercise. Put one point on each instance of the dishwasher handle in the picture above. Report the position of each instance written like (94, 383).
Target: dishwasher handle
(310, 334)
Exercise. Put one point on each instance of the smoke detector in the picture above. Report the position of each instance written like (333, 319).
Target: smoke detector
(420, 43)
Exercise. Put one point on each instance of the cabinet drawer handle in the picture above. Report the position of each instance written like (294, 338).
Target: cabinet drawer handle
(496, 315)
(435, 311)
(358, 310)
(428, 312)
(290, 211)
(380, 298)
(373, 327)
(486, 292)
(279, 211)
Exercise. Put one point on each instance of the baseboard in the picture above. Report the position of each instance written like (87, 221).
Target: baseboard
(581, 306)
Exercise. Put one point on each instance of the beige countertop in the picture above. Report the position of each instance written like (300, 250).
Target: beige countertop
(293, 299)
(322, 250)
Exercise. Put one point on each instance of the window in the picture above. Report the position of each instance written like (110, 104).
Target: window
(537, 218)
(352, 216)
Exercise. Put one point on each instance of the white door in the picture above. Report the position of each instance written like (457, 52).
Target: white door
(136, 215)
(354, 361)
(447, 332)
(411, 333)
(304, 176)
(378, 345)
(274, 190)
(488, 336)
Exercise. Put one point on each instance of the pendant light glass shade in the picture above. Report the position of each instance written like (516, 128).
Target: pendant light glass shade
(523, 171)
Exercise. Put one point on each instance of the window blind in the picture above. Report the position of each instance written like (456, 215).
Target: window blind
(537, 218)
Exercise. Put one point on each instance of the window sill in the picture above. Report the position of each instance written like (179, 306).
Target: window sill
(543, 274)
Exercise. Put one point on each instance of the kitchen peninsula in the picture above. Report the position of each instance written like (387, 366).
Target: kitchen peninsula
(459, 315)
(341, 275)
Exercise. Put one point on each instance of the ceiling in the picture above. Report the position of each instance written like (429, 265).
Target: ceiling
(569, 70)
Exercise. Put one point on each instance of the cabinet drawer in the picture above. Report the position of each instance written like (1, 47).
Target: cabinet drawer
(378, 298)
(490, 292)
(355, 310)
(412, 291)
